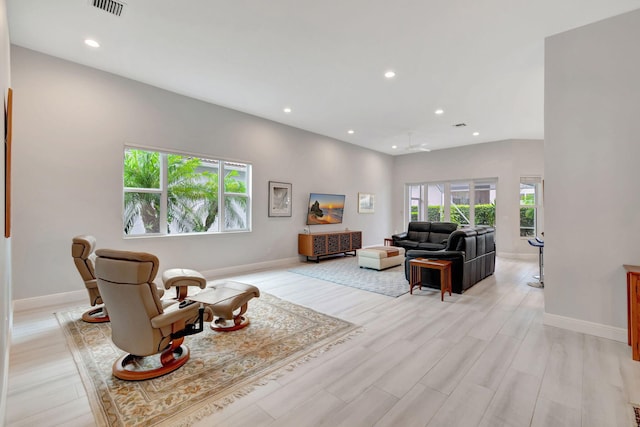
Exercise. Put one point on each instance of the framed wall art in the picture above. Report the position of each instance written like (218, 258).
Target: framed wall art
(279, 198)
(366, 203)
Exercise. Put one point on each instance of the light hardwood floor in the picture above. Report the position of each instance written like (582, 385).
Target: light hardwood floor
(478, 359)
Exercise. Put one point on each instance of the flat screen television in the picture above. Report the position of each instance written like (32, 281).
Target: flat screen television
(325, 208)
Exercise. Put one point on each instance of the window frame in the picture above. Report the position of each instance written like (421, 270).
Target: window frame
(536, 181)
(163, 191)
(446, 198)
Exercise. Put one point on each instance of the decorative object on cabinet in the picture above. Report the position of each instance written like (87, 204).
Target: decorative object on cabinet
(279, 198)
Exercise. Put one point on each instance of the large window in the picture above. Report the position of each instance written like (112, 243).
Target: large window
(465, 202)
(529, 205)
(167, 193)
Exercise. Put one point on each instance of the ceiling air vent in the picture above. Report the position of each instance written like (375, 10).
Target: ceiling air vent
(111, 6)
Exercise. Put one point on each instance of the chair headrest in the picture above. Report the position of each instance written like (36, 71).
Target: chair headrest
(82, 246)
(120, 266)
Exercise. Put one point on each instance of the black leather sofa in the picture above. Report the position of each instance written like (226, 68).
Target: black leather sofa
(429, 236)
(472, 251)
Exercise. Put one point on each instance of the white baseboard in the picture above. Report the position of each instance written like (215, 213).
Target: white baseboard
(72, 297)
(80, 296)
(235, 270)
(586, 327)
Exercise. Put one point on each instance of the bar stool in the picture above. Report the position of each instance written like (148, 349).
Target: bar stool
(538, 243)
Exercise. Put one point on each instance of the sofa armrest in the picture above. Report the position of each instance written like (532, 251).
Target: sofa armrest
(444, 254)
(400, 236)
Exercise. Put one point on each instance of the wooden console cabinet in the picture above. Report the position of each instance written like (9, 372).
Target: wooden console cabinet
(335, 242)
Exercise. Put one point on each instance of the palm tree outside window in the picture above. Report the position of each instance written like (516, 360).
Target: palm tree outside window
(169, 193)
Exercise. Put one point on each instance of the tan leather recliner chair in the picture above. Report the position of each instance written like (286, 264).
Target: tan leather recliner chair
(142, 324)
(82, 252)
(82, 248)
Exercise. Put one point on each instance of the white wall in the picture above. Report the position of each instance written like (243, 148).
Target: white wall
(71, 125)
(5, 244)
(505, 160)
(592, 148)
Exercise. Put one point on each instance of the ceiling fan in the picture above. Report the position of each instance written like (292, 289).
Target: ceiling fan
(416, 147)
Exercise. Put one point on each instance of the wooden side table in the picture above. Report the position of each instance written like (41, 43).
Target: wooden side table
(633, 309)
(415, 273)
(388, 241)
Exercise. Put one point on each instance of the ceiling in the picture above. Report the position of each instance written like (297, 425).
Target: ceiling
(482, 62)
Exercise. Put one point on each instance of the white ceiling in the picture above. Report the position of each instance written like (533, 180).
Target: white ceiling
(480, 61)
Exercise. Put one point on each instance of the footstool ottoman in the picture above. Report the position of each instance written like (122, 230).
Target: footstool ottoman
(380, 257)
(223, 298)
(181, 279)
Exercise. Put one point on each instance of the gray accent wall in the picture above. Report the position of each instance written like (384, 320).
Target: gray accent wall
(72, 123)
(592, 154)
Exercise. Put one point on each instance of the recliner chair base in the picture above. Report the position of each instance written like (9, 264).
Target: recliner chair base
(95, 315)
(239, 321)
(128, 367)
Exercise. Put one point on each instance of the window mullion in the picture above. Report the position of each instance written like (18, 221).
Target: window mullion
(164, 196)
(447, 201)
(221, 197)
(472, 203)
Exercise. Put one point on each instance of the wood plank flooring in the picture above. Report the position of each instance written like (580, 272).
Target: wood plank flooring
(478, 359)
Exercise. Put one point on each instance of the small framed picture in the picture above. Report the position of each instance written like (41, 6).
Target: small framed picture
(366, 203)
(279, 198)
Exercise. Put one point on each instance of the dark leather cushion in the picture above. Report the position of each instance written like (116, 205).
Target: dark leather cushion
(431, 246)
(407, 243)
(438, 237)
(480, 244)
(419, 226)
(419, 236)
(444, 227)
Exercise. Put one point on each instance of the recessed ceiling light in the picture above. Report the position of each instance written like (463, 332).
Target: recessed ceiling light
(92, 43)
(476, 133)
(394, 146)
(390, 74)
(351, 131)
(286, 110)
(439, 111)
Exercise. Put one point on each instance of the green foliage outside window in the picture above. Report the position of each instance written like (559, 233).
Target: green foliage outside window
(527, 199)
(192, 193)
(527, 222)
(485, 214)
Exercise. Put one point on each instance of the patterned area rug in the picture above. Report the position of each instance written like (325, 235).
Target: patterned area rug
(345, 271)
(223, 366)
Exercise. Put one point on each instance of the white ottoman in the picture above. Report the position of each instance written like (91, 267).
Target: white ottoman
(380, 257)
